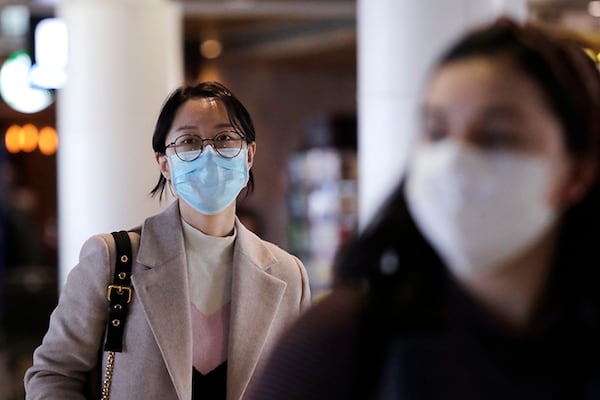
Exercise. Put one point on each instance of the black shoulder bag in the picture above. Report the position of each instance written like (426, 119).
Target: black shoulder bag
(119, 294)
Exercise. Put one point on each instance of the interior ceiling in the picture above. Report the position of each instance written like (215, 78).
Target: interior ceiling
(570, 14)
(555, 9)
(307, 29)
(317, 33)
(307, 33)
(301, 33)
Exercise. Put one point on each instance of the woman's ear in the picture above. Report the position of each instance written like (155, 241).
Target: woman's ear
(163, 164)
(251, 152)
(583, 174)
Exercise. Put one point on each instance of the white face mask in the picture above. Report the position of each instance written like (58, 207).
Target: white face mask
(478, 209)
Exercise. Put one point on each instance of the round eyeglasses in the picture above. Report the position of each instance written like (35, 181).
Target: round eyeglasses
(188, 147)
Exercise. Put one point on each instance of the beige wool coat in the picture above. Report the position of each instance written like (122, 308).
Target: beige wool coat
(269, 291)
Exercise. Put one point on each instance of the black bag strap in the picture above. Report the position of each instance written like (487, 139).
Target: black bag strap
(119, 293)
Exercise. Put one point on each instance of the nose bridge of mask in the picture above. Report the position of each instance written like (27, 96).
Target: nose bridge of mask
(212, 157)
(209, 148)
(204, 164)
(441, 154)
(207, 159)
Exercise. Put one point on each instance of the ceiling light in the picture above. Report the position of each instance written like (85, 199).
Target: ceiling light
(211, 48)
(594, 8)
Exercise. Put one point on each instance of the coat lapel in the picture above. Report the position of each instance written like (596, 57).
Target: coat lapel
(255, 300)
(163, 292)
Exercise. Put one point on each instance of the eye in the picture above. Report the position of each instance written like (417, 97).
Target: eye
(435, 135)
(222, 137)
(433, 127)
(188, 141)
(226, 136)
(497, 139)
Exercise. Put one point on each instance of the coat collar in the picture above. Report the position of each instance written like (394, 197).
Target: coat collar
(163, 290)
(162, 238)
(162, 241)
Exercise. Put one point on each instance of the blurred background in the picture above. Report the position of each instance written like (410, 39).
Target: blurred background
(293, 63)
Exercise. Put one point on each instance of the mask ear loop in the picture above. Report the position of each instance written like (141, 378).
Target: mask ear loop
(170, 185)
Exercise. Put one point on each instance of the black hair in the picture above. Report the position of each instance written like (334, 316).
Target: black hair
(239, 117)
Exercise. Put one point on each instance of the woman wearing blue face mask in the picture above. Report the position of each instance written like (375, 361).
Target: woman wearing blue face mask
(479, 277)
(209, 297)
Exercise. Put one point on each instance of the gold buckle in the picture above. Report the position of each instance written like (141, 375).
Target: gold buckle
(119, 290)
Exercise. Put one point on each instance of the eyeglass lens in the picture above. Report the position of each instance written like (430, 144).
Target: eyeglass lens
(226, 144)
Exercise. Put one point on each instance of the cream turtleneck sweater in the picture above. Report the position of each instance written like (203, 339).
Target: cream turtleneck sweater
(209, 265)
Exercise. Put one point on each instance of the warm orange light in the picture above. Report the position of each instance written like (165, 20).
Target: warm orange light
(11, 139)
(29, 138)
(209, 72)
(211, 48)
(48, 141)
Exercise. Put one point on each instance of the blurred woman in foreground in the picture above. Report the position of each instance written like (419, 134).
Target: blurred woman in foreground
(479, 277)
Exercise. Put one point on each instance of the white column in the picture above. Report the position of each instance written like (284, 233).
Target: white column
(397, 44)
(125, 56)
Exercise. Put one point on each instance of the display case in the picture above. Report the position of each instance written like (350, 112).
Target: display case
(322, 196)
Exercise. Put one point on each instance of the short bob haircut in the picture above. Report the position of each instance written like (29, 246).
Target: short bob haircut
(238, 117)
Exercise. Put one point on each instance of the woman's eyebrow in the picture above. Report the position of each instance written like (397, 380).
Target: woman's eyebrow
(185, 128)
(502, 111)
(194, 127)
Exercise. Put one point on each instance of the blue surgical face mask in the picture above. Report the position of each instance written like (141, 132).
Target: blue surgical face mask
(210, 183)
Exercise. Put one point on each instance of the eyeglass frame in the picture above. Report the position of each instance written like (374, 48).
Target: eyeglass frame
(202, 146)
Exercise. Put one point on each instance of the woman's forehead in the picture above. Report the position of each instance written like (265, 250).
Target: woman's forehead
(201, 110)
(483, 82)
(204, 116)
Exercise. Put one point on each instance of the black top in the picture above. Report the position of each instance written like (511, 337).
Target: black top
(211, 386)
(471, 357)
(464, 356)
